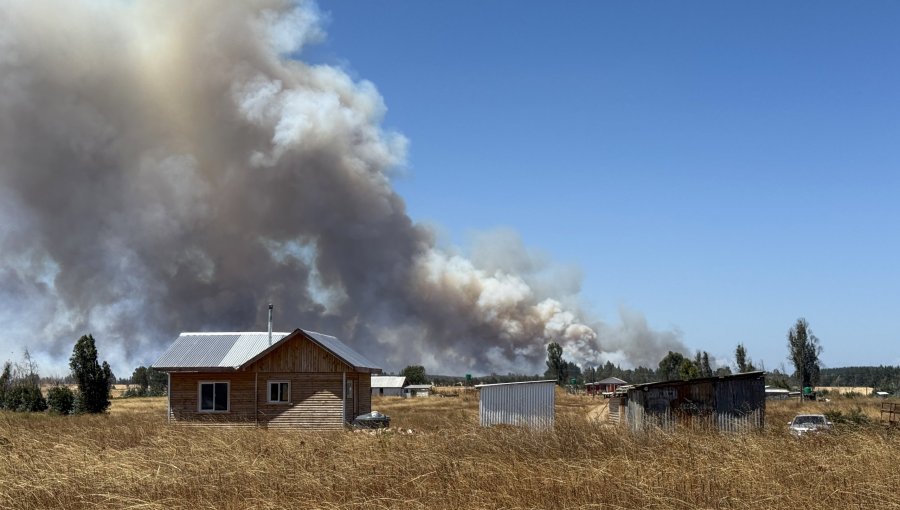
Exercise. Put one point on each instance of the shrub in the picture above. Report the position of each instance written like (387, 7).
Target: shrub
(25, 398)
(61, 400)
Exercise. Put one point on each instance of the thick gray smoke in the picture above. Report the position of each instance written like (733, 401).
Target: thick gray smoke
(170, 166)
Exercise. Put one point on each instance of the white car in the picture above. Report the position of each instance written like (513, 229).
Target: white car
(804, 423)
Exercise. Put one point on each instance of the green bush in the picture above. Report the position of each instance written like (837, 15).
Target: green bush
(25, 398)
(854, 417)
(61, 400)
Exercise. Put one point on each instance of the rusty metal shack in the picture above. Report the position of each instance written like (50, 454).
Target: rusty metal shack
(729, 403)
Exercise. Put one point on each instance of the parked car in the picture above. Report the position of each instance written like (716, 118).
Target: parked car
(805, 423)
(373, 420)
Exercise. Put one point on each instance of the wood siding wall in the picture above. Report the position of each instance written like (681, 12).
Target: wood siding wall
(185, 394)
(315, 378)
(315, 401)
(299, 355)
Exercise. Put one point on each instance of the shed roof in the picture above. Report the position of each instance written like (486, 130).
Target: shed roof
(681, 382)
(223, 351)
(418, 387)
(388, 381)
(520, 382)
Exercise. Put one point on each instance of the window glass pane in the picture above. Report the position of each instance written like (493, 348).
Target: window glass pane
(273, 392)
(206, 397)
(349, 390)
(221, 396)
(284, 392)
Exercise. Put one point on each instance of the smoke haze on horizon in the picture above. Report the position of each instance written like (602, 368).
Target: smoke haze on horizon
(175, 166)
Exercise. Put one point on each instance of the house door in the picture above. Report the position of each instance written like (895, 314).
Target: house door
(352, 403)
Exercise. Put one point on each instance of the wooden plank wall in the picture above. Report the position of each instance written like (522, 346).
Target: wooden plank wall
(186, 390)
(315, 401)
(299, 355)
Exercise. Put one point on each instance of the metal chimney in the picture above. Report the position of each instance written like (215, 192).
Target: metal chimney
(271, 306)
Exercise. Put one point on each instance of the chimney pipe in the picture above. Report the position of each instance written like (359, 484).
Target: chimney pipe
(271, 306)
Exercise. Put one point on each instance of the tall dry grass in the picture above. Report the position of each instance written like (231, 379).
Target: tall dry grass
(131, 458)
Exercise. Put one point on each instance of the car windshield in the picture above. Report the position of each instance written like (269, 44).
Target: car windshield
(809, 420)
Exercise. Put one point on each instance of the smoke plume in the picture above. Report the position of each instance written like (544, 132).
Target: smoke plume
(171, 166)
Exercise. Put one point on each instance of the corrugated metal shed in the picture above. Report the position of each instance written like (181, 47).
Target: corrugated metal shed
(231, 351)
(530, 404)
(729, 403)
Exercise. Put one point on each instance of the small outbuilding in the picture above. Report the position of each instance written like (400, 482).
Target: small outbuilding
(417, 390)
(530, 404)
(730, 403)
(388, 385)
(299, 379)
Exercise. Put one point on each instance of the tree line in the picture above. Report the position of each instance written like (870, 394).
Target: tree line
(20, 383)
(803, 347)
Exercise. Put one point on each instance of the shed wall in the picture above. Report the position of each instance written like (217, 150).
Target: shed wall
(725, 404)
(530, 404)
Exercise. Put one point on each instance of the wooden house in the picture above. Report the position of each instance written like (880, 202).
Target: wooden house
(299, 379)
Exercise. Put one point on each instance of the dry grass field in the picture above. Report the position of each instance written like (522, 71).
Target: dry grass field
(131, 458)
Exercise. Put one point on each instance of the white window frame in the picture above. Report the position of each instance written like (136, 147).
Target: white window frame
(269, 391)
(200, 397)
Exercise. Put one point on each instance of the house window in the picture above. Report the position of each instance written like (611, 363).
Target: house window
(214, 396)
(349, 390)
(279, 392)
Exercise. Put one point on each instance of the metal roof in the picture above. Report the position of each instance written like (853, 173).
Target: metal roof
(388, 381)
(520, 382)
(715, 378)
(215, 350)
(342, 350)
(609, 380)
(418, 387)
(233, 350)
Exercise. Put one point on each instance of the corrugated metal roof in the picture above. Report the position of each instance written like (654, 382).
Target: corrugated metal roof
(215, 350)
(232, 350)
(511, 383)
(388, 381)
(611, 380)
(342, 350)
(419, 387)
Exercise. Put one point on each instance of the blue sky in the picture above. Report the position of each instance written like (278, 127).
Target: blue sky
(723, 168)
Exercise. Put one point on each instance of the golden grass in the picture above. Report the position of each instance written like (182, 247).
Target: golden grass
(131, 458)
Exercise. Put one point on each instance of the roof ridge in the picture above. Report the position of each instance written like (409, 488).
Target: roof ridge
(211, 333)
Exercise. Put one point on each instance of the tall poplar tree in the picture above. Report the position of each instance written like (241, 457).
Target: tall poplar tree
(803, 352)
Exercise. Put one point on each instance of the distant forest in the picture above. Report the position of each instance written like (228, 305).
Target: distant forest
(882, 378)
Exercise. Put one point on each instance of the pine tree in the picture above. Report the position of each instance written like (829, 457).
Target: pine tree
(93, 379)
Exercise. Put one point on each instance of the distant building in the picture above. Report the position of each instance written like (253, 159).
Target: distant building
(846, 390)
(417, 390)
(605, 387)
(388, 385)
(777, 393)
(732, 402)
(529, 404)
